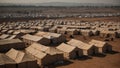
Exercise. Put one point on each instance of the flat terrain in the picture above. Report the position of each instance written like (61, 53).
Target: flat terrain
(97, 19)
(109, 60)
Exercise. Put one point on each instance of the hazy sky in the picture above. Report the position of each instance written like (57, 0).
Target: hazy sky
(78, 1)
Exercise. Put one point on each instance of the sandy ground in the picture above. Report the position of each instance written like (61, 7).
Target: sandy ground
(109, 60)
(97, 19)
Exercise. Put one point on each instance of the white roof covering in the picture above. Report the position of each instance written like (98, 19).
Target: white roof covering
(97, 43)
(32, 37)
(18, 56)
(79, 44)
(65, 47)
(39, 47)
(35, 52)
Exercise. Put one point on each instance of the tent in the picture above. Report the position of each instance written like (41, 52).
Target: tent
(6, 45)
(29, 39)
(69, 52)
(54, 37)
(56, 54)
(22, 59)
(86, 48)
(6, 62)
(102, 46)
(41, 57)
(53, 54)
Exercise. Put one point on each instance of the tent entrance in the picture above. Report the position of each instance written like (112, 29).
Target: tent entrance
(77, 54)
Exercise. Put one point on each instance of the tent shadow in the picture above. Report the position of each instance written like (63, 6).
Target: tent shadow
(65, 62)
(99, 55)
(82, 58)
(113, 52)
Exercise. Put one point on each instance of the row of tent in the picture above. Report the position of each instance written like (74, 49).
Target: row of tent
(41, 24)
(76, 48)
(63, 27)
(13, 34)
(73, 49)
(54, 14)
(37, 53)
(88, 30)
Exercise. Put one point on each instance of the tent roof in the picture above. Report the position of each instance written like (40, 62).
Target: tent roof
(18, 56)
(79, 44)
(2, 62)
(11, 37)
(40, 55)
(16, 32)
(48, 35)
(39, 47)
(42, 48)
(6, 60)
(3, 36)
(3, 42)
(53, 51)
(97, 43)
(65, 47)
(32, 37)
(35, 52)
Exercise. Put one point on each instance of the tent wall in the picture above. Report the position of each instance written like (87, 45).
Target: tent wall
(21, 65)
(32, 64)
(107, 48)
(10, 65)
(7, 47)
(2, 66)
(72, 55)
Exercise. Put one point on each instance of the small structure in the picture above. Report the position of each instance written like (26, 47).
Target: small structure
(69, 52)
(6, 45)
(41, 57)
(30, 39)
(102, 46)
(56, 38)
(87, 33)
(53, 29)
(22, 59)
(53, 37)
(39, 47)
(107, 34)
(72, 32)
(61, 31)
(6, 62)
(55, 55)
(11, 37)
(10, 32)
(18, 34)
(4, 36)
(86, 48)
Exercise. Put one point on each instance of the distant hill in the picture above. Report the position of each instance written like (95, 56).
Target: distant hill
(58, 4)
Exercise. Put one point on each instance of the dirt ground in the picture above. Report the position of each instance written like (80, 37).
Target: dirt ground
(109, 60)
(117, 19)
